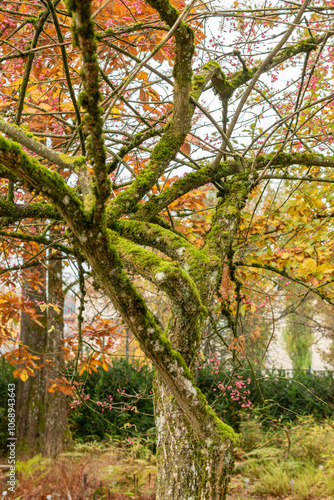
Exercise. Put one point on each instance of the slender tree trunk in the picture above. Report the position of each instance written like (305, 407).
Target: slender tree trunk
(188, 467)
(42, 416)
(56, 435)
(30, 394)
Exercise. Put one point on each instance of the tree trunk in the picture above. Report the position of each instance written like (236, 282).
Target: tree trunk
(42, 416)
(188, 467)
(56, 435)
(30, 394)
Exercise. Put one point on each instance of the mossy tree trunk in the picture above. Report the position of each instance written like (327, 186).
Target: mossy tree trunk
(42, 416)
(56, 425)
(31, 393)
(189, 468)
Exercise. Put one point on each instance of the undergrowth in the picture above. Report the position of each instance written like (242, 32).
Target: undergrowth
(269, 457)
(297, 458)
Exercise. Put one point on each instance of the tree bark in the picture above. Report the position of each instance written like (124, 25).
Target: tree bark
(188, 467)
(56, 435)
(42, 416)
(30, 394)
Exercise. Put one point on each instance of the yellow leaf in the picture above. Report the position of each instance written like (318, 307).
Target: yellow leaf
(243, 309)
(51, 329)
(56, 308)
(43, 307)
(105, 366)
(114, 112)
(309, 265)
(95, 362)
(23, 375)
(253, 308)
(82, 370)
(45, 106)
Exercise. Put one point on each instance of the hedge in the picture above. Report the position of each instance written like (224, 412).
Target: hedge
(285, 399)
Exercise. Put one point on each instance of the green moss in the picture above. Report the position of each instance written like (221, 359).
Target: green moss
(209, 64)
(165, 148)
(89, 98)
(89, 202)
(66, 158)
(51, 184)
(198, 84)
(32, 20)
(164, 240)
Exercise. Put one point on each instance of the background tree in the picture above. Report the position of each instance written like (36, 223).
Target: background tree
(42, 415)
(146, 140)
(30, 390)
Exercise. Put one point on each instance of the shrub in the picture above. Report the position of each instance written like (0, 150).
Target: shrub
(96, 421)
(285, 401)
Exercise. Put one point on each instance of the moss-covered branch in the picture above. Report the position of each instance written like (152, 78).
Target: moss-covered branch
(225, 222)
(65, 162)
(84, 37)
(106, 265)
(196, 263)
(50, 184)
(184, 185)
(37, 238)
(163, 153)
(207, 174)
(227, 85)
(26, 139)
(36, 211)
(166, 275)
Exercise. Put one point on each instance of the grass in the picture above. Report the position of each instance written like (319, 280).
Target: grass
(270, 457)
(273, 457)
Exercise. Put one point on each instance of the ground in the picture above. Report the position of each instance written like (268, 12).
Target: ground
(85, 474)
(126, 469)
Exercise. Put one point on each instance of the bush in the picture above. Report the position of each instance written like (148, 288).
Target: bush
(96, 421)
(285, 400)
(305, 394)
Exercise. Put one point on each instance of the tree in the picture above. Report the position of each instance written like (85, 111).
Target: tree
(30, 390)
(41, 414)
(117, 204)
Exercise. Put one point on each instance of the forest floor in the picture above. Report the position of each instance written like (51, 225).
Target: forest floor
(108, 474)
(122, 471)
